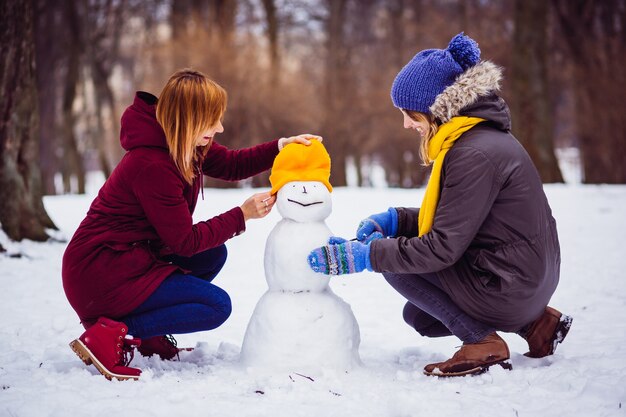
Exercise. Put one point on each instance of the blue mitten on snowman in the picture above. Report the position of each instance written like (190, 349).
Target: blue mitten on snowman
(378, 226)
(340, 257)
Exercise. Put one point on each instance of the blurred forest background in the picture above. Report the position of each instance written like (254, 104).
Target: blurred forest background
(70, 67)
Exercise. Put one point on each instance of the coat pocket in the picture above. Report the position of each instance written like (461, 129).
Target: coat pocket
(517, 266)
(488, 279)
(131, 260)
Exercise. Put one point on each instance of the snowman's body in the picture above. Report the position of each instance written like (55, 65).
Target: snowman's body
(299, 323)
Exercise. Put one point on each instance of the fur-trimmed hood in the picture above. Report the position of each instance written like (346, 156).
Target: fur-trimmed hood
(492, 108)
(481, 80)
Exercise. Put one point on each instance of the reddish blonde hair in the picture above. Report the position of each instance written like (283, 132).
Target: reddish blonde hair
(189, 105)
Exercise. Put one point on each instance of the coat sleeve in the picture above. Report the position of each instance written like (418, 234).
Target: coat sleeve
(233, 165)
(407, 221)
(159, 190)
(470, 186)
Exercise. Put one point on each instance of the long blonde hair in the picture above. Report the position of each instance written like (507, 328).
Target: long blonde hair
(432, 131)
(189, 105)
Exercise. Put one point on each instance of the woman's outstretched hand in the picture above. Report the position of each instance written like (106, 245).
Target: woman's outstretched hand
(340, 256)
(258, 206)
(304, 139)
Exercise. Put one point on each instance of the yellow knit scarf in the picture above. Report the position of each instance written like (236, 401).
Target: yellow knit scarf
(438, 146)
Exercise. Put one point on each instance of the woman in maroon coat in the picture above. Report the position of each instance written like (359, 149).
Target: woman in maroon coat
(137, 263)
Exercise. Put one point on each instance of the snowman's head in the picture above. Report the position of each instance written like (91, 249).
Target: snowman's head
(300, 179)
(304, 201)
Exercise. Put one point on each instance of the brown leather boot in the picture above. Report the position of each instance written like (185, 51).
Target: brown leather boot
(546, 332)
(473, 358)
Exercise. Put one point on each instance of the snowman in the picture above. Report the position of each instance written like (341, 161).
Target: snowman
(299, 324)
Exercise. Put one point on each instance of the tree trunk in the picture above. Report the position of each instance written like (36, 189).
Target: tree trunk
(22, 213)
(222, 15)
(103, 156)
(531, 105)
(336, 62)
(73, 164)
(596, 39)
(272, 36)
(104, 97)
(358, 166)
(102, 32)
(47, 58)
(398, 33)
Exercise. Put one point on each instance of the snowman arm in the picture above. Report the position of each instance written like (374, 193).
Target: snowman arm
(233, 165)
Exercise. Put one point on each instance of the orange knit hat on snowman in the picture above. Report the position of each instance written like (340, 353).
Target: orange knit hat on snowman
(298, 162)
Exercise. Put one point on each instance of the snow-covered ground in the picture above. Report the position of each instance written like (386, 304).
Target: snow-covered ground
(40, 375)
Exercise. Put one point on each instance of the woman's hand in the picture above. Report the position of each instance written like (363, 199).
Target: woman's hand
(340, 256)
(304, 139)
(258, 206)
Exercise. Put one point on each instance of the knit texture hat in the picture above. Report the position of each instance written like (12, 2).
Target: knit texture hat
(430, 71)
(298, 162)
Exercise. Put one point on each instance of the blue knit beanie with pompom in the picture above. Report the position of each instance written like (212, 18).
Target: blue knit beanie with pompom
(430, 71)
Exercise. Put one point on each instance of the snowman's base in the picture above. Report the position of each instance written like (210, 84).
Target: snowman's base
(305, 331)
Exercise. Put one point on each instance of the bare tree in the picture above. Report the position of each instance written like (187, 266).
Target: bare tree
(335, 87)
(531, 100)
(72, 160)
(22, 213)
(105, 21)
(326, 66)
(595, 33)
(272, 35)
(48, 55)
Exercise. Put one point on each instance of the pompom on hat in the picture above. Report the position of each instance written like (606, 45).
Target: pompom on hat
(298, 162)
(430, 71)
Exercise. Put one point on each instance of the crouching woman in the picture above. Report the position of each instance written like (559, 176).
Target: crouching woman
(481, 254)
(137, 263)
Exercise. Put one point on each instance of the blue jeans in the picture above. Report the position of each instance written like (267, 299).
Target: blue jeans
(184, 303)
(431, 311)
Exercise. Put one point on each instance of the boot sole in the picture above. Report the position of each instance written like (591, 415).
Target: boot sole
(562, 329)
(474, 371)
(89, 358)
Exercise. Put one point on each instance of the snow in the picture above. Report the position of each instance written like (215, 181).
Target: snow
(41, 376)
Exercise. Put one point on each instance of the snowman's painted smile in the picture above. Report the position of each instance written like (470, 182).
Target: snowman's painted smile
(303, 204)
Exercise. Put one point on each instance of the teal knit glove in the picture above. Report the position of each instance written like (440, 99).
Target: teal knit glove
(340, 257)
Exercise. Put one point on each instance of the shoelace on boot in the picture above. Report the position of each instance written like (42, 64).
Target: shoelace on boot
(170, 339)
(128, 349)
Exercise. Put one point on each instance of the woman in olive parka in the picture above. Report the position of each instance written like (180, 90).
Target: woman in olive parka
(481, 254)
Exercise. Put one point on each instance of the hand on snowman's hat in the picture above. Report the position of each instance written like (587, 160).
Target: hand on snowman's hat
(304, 139)
(340, 257)
(377, 226)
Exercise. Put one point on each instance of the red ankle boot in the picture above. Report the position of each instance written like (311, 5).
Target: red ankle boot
(105, 346)
(164, 346)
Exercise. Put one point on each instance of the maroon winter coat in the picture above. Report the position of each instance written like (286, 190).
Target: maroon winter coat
(144, 211)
